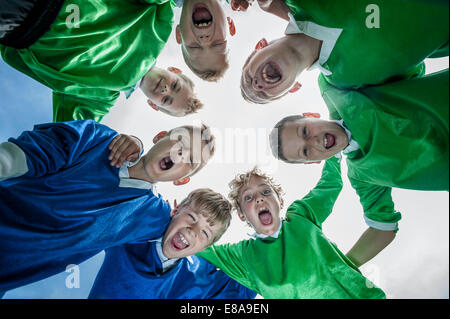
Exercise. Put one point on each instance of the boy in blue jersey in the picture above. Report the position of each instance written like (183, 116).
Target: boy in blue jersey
(158, 269)
(62, 201)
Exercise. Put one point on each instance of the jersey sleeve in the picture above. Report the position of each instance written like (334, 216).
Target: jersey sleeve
(230, 259)
(51, 147)
(379, 212)
(13, 162)
(318, 204)
(83, 104)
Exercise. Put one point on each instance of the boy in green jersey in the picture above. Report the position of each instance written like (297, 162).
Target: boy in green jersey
(392, 135)
(353, 44)
(91, 51)
(290, 258)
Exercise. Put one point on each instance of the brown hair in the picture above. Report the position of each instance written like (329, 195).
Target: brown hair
(275, 137)
(212, 205)
(193, 104)
(207, 75)
(242, 180)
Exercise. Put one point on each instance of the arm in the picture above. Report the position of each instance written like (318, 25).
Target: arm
(230, 259)
(318, 203)
(51, 147)
(83, 104)
(369, 245)
(382, 218)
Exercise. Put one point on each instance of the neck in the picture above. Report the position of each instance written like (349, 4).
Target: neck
(305, 48)
(139, 171)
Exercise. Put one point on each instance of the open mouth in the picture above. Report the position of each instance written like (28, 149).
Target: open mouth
(179, 242)
(329, 140)
(265, 217)
(166, 163)
(201, 17)
(271, 73)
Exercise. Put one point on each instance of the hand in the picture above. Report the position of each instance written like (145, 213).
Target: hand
(240, 5)
(173, 210)
(124, 148)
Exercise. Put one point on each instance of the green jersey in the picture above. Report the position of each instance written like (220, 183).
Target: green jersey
(402, 129)
(301, 262)
(379, 41)
(94, 50)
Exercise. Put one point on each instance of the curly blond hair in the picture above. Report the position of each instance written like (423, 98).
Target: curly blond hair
(243, 179)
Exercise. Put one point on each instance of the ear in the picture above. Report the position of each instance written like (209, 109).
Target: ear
(174, 211)
(231, 26)
(159, 136)
(295, 88)
(153, 105)
(241, 216)
(178, 34)
(174, 70)
(182, 181)
(313, 115)
(261, 44)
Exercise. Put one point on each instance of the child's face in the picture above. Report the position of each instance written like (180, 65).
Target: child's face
(312, 139)
(167, 90)
(202, 33)
(188, 233)
(260, 206)
(176, 155)
(269, 73)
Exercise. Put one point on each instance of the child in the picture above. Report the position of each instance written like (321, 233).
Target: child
(62, 202)
(352, 44)
(393, 136)
(290, 258)
(143, 270)
(92, 51)
(202, 34)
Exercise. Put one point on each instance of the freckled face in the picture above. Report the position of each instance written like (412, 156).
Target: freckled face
(188, 233)
(312, 139)
(260, 206)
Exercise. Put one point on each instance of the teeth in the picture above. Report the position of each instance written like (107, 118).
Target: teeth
(267, 78)
(205, 24)
(262, 208)
(326, 142)
(184, 240)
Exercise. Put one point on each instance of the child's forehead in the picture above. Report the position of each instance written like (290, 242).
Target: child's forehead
(254, 182)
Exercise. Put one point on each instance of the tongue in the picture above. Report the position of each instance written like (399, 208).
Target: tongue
(178, 243)
(330, 140)
(201, 14)
(265, 218)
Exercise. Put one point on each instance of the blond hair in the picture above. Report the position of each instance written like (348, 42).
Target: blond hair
(207, 75)
(193, 104)
(242, 180)
(212, 205)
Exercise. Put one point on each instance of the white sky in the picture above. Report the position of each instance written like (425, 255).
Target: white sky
(415, 265)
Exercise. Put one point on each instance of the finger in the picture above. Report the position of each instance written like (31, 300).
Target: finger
(133, 157)
(110, 146)
(123, 152)
(116, 146)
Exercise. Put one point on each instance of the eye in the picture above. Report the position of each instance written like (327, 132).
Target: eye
(304, 131)
(165, 100)
(175, 85)
(305, 152)
(247, 198)
(266, 192)
(205, 233)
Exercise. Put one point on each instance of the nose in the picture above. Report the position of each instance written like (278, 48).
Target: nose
(256, 86)
(164, 88)
(259, 199)
(312, 141)
(204, 38)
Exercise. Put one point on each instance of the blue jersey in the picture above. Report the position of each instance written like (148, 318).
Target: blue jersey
(71, 204)
(134, 271)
